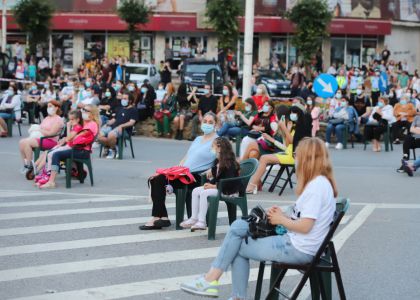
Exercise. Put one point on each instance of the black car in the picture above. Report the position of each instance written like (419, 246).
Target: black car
(276, 83)
(200, 72)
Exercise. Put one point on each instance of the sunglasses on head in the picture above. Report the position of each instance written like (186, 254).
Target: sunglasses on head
(85, 110)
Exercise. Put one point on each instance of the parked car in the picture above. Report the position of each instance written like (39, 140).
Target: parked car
(139, 72)
(276, 83)
(199, 72)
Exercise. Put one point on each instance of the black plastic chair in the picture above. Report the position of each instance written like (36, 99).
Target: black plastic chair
(325, 261)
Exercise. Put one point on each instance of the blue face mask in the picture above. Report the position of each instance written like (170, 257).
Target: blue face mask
(381, 104)
(88, 94)
(207, 128)
(124, 102)
(248, 108)
(117, 87)
(10, 92)
(266, 108)
(143, 90)
(225, 92)
(88, 84)
(33, 88)
(107, 94)
(403, 102)
(293, 117)
(131, 88)
(205, 91)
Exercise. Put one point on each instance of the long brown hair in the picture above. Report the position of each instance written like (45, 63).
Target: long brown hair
(313, 160)
(226, 158)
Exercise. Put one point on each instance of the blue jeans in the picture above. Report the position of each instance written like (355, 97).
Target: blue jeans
(338, 130)
(417, 164)
(62, 155)
(236, 252)
(231, 130)
(5, 116)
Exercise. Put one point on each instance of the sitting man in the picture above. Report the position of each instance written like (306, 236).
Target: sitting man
(125, 118)
(9, 107)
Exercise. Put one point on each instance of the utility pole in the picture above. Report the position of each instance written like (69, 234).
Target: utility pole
(248, 48)
(3, 27)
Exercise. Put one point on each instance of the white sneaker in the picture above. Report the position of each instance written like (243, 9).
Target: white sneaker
(339, 146)
(327, 145)
(110, 154)
(23, 170)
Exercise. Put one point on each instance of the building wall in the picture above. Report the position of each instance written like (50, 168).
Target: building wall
(78, 49)
(264, 49)
(404, 43)
(212, 47)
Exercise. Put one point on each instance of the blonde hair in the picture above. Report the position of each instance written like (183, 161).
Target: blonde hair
(313, 160)
(95, 114)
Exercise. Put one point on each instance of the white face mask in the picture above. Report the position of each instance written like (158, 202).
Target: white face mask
(274, 126)
(51, 111)
(358, 91)
(85, 116)
(309, 102)
(259, 91)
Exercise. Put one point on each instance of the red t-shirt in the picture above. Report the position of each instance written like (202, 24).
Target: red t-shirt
(260, 100)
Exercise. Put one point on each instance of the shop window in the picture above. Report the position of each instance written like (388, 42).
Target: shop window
(368, 51)
(338, 48)
(63, 51)
(278, 53)
(94, 46)
(353, 52)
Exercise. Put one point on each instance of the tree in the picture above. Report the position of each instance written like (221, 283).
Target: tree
(312, 18)
(134, 13)
(34, 17)
(223, 17)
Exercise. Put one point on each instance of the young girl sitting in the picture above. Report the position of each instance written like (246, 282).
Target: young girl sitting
(74, 126)
(224, 167)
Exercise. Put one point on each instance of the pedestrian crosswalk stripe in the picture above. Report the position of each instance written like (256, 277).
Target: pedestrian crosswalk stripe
(78, 211)
(105, 241)
(59, 201)
(84, 225)
(141, 288)
(107, 263)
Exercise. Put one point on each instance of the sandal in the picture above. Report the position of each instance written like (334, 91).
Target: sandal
(48, 185)
(199, 226)
(254, 189)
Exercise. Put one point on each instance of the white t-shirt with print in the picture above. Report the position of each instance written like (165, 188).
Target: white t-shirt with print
(316, 202)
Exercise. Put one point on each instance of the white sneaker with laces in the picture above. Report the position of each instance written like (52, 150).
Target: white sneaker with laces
(201, 287)
(339, 146)
(327, 145)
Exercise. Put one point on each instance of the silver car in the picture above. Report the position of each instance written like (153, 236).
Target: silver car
(139, 72)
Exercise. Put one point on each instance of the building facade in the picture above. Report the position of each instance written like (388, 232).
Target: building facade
(82, 28)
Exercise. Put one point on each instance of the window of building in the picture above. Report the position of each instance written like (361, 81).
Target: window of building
(353, 52)
(94, 46)
(338, 50)
(278, 54)
(368, 51)
(63, 51)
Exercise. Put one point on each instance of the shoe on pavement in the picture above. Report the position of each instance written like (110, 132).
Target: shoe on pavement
(24, 169)
(188, 223)
(111, 154)
(202, 287)
(327, 145)
(199, 226)
(339, 146)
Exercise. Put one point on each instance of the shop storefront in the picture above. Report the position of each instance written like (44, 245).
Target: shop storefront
(353, 51)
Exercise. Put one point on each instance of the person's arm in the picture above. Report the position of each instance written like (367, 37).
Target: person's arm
(128, 124)
(230, 104)
(414, 130)
(192, 95)
(277, 217)
(411, 111)
(15, 102)
(288, 136)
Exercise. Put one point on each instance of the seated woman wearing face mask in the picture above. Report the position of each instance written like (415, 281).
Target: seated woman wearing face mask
(293, 130)
(261, 96)
(198, 159)
(125, 118)
(263, 122)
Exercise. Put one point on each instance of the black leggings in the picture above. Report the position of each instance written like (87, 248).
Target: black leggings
(410, 143)
(158, 193)
(398, 127)
(374, 132)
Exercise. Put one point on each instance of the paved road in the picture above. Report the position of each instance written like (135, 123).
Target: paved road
(84, 243)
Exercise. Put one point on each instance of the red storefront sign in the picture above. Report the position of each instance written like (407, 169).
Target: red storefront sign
(188, 23)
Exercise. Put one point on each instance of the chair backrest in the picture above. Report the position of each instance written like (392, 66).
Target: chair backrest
(248, 168)
(342, 206)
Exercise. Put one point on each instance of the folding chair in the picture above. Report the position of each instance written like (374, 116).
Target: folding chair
(325, 261)
(290, 170)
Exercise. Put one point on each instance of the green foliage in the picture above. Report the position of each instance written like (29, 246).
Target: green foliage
(223, 17)
(34, 17)
(134, 13)
(311, 18)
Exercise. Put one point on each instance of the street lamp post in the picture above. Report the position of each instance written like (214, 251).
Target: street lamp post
(248, 48)
(3, 27)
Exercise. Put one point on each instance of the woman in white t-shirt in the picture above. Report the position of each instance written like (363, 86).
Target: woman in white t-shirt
(306, 227)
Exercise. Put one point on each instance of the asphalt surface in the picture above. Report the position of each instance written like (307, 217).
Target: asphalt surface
(84, 242)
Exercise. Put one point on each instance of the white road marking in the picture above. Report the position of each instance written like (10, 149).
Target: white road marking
(64, 201)
(84, 225)
(106, 241)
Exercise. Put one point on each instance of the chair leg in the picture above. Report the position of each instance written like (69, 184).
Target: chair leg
(20, 129)
(266, 175)
(69, 163)
(100, 150)
(120, 143)
(89, 165)
(231, 208)
(275, 280)
(337, 272)
(300, 286)
(322, 286)
(259, 281)
(289, 176)
(212, 211)
(276, 180)
(37, 152)
(132, 149)
(244, 207)
(288, 180)
(180, 205)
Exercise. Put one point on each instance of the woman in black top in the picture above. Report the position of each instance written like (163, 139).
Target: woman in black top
(183, 99)
(225, 166)
(146, 101)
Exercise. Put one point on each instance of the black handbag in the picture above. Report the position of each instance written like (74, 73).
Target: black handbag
(254, 134)
(259, 225)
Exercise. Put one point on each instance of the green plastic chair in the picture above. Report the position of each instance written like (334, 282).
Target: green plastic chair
(248, 168)
(318, 271)
(69, 164)
(121, 142)
(387, 140)
(37, 150)
(347, 134)
(238, 141)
